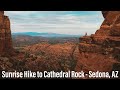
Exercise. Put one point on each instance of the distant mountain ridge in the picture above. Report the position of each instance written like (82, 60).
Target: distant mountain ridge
(45, 34)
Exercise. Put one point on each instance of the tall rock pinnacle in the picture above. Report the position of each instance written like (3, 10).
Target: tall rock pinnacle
(5, 34)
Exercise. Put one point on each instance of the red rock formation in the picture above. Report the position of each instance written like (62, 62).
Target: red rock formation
(5, 35)
(104, 45)
(110, 25)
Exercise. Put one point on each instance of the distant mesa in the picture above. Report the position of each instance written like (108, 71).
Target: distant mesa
(45, 34)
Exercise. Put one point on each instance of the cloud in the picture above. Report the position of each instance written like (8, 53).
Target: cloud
(65, 22)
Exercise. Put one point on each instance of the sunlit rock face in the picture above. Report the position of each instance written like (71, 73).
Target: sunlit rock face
(102, 47)
(5, 35)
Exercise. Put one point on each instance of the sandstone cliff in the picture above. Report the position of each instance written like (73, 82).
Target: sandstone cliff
(100, 50)
(5, 35)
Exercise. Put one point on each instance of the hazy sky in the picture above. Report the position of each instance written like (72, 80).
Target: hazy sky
(64, 22)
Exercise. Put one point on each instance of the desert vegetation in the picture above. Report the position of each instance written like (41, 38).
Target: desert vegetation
(52, 55)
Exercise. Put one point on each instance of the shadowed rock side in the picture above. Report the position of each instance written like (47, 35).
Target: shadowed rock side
(5, 35)
(101, 51)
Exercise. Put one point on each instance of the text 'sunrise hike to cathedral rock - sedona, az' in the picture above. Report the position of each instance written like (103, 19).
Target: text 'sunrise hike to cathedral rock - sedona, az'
(5, 35)
(97, 52)
(103, 45)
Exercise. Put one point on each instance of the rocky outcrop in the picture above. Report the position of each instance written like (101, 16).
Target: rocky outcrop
(104, 44)
(5, 35)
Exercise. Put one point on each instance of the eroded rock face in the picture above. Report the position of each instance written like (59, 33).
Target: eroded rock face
(111, 24)
(104, 44)
(5, 35)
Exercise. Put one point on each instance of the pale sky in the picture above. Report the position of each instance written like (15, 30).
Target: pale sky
(62, 22)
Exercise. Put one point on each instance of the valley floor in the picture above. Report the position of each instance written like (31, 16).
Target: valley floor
(57, 57)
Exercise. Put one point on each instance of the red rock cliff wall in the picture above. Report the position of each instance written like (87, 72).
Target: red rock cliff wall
(111, 24)
(98, 51)
(5, 34)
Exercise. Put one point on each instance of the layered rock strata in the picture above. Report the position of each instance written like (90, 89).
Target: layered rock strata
(104, 44)
(5, 35)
